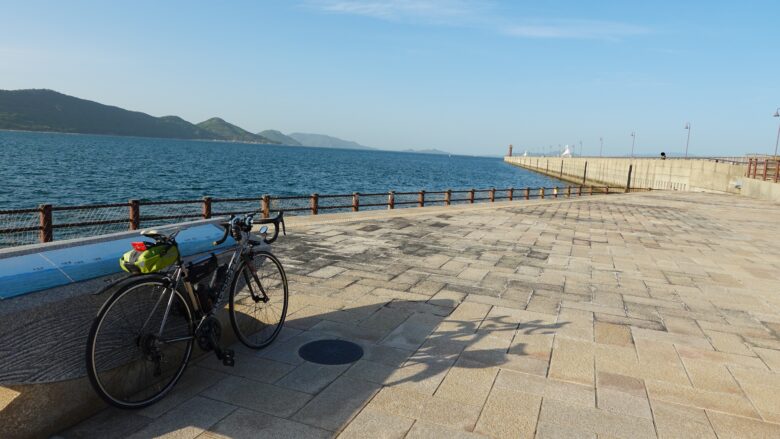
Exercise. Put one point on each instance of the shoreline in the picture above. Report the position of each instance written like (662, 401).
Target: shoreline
(438, 154)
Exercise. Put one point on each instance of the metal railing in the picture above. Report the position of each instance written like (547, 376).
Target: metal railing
(41, 224)
(764, 168)
(735, 160)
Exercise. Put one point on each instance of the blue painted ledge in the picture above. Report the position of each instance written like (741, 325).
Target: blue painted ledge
(40, 267)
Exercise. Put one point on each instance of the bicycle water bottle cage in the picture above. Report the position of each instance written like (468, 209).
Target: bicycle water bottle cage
(218, 278)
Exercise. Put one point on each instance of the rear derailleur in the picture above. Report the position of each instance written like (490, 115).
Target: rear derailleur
(208, 335)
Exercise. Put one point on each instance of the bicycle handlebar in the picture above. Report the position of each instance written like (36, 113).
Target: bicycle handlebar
(278, 219)
(246, 225)
(225, 226)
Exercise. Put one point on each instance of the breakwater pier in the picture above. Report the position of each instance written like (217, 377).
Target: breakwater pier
(641, 315)
(670, 174)
(750, 176)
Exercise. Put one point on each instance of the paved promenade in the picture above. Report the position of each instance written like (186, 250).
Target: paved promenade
(638, 316)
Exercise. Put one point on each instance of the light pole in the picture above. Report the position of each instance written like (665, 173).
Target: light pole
(580, 148)
(687, 142)
(601, 148)
(633, 142)
(777, 114)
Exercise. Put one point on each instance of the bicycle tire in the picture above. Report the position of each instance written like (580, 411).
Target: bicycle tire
(255, 336)
(138, 344)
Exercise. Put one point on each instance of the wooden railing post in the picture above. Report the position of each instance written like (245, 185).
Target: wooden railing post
(391, 200)
(541, 193)
(206, 207)
(579, 191)
(628, 182)
(471, 196)
(766, 166)
(355, 201)
(45, 233)
(568, 191)
(448, 197)
(315, 203)
(585, 173)
(606, 190)
(527, 193)
(265, 206)
(777, 170)
(421, 199)
(135, 214)
(510, 193)
(590, 192)
(492, 195)
(750, 165)
(555, 192)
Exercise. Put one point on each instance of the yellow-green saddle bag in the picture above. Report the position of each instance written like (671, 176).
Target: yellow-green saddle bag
(156, 257)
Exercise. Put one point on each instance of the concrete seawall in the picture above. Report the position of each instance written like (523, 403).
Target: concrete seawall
(672, 174)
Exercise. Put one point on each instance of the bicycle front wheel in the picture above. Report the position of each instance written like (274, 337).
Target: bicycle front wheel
(258, 300)
(133, 358)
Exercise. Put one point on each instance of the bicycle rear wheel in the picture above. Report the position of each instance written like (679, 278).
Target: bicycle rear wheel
(258, 300)
(131, 362)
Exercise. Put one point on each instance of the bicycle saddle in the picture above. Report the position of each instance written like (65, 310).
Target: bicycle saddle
(159, 236)
(154, 234)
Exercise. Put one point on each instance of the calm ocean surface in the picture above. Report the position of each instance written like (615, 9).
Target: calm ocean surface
(68, 169)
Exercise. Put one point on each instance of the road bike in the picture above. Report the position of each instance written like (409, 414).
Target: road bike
(142, 338)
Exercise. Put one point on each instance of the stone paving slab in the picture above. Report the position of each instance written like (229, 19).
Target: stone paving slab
(644, 315)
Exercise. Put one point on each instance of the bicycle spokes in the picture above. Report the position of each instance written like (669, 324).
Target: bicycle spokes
(132, 363)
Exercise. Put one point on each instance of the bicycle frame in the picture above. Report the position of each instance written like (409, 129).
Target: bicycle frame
(178, 276)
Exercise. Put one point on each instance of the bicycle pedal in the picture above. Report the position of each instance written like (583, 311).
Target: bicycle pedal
(228, 358)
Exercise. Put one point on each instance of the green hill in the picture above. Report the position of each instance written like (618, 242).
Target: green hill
(277, 136)
(228, 131)
(47, 110)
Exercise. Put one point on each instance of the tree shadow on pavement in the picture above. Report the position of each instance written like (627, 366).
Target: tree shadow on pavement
(271, 392)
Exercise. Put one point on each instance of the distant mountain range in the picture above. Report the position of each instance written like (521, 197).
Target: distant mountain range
(426, 151)
(277, 136)
(48, 110)
(323, 141)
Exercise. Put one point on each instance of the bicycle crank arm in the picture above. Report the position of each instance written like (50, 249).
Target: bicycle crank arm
(177, 339)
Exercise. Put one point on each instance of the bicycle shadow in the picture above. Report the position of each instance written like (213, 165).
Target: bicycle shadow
(407, 344)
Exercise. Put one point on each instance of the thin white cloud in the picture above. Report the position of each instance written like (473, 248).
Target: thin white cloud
(431, 11)
(575, 29)
(479, 14)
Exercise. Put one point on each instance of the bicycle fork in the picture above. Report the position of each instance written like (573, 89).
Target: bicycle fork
(248, 263)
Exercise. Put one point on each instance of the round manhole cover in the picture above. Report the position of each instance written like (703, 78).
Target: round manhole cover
(331, 352)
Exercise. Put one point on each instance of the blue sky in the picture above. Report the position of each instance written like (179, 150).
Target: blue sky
(463, 76)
